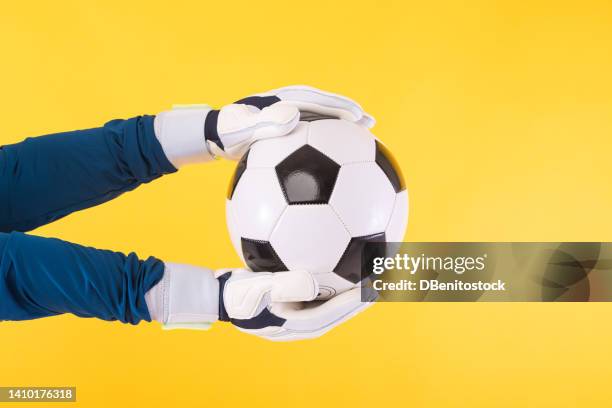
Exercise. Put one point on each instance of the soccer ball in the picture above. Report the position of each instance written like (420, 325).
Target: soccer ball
(312, 199)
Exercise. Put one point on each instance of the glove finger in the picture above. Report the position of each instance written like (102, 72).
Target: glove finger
(247, 294)
(294, 286)
(236, 122)
(314, 321)
(239, 125)
(367, 121)
(316, 101)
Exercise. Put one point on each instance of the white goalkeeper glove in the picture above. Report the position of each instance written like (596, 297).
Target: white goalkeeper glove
(275, 306)
(197, 133)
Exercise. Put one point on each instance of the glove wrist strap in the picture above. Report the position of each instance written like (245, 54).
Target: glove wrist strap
(186, 295)
(181, 134)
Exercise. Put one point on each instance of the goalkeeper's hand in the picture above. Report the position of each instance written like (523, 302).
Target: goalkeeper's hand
(197, 133)
(275, 306)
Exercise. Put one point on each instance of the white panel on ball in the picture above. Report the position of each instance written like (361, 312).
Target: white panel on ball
(363, 198)
(233, 227)
(258, 203)
(399, 218)
(342, 141)
(310, 237)
(270, 152)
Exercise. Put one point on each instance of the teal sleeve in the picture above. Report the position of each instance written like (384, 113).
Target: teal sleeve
(46, 178)
(44, 277)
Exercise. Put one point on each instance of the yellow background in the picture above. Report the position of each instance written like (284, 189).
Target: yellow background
(499, 112)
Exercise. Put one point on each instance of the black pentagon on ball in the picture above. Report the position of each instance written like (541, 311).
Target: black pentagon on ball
(260, 256)
(349, 266)
(307, 176)
(389, 166)
(240, 168)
